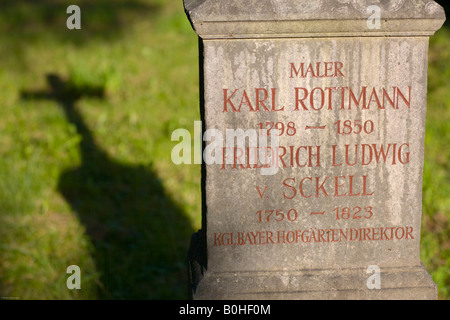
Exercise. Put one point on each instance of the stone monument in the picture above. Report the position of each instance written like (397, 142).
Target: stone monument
(321, 195)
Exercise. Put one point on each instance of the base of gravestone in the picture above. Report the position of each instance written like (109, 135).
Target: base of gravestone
(402, 283)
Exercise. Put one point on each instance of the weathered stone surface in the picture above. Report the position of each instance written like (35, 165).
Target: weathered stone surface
(397, 284)
(344, 191)
(305, 18)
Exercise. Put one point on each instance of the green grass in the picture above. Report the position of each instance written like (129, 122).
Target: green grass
(435, 242)
(86, 176)
(85, 173)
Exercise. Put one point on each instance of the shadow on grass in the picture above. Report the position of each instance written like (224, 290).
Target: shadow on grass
(25, 24)
(140, 236)
(100, 19)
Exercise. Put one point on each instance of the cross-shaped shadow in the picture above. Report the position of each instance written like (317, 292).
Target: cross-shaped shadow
(140, 235)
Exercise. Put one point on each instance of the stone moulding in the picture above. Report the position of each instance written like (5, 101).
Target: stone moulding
(317, 284)
(255, 19)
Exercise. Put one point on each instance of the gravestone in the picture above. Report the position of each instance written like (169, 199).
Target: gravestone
(327, 203)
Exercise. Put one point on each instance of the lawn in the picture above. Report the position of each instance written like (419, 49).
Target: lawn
(86, 176)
